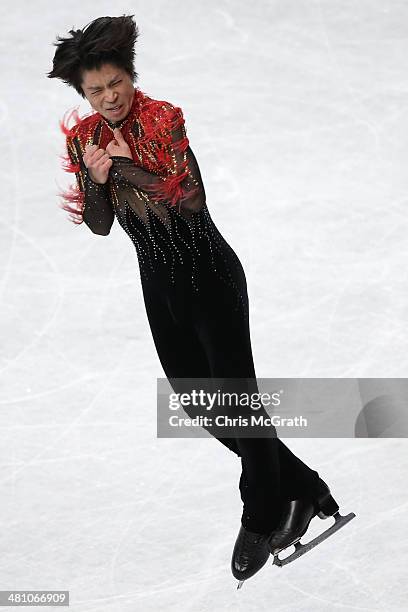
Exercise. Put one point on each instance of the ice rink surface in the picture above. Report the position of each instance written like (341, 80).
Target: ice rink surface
(297, 113)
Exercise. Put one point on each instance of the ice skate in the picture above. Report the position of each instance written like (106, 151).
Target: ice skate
(295, 521)
(251, 552)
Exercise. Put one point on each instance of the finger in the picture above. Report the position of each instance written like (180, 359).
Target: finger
(94, 149)
(96, 156)
(101, 161)
(91, 154)
(89, 148)
(88, 157)
(104, 168)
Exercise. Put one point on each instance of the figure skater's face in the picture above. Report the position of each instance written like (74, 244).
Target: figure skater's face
(106, 88)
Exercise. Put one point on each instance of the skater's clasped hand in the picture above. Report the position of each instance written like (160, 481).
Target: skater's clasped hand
(118, 145)
(98, 161)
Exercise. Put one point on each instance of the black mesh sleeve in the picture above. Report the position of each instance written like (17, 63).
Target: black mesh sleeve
(98, 213)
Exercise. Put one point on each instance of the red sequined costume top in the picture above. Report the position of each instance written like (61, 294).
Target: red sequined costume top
(158, 197)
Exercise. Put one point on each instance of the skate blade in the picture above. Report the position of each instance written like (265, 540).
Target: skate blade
(301, 549)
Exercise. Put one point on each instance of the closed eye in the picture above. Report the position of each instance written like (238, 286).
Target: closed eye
(98, 90)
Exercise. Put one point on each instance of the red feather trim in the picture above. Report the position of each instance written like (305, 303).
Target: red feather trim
(64, 122)
(78, 120)
(68, 165)
(73, 195)
(169, 191)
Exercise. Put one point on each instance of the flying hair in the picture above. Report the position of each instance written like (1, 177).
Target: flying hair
(103, 40)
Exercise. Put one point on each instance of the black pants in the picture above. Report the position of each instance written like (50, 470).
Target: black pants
(205, 335)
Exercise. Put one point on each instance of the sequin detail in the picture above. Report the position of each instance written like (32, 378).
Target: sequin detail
(175, 238)
(185, 246)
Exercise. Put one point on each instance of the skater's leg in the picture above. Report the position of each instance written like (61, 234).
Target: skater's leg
(269, 469)
(178, 347)
(297, 479)
(261, 491)
(224, 334)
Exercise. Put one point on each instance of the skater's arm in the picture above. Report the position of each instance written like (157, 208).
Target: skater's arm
(182, 185)
(97, 211)
(125, 171)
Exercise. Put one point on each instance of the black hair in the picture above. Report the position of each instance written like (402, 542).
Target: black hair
(103, 40)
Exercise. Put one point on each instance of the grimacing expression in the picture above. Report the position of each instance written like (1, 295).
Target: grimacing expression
(107, 87)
